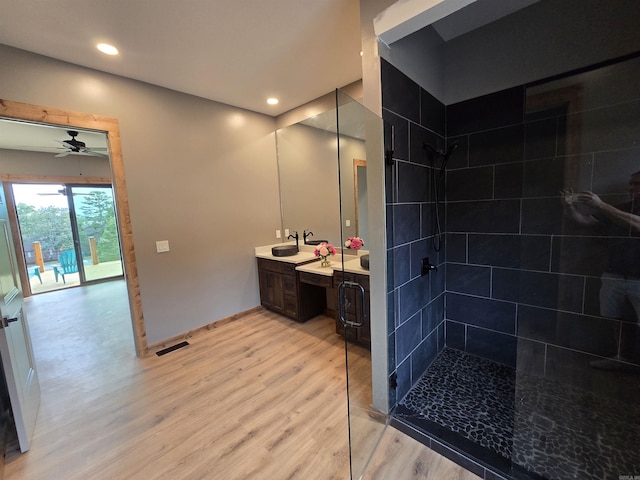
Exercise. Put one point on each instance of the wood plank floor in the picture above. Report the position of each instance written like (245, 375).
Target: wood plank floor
(261, 397)
(399, 456)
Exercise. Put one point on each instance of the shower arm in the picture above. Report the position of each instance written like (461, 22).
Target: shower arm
(444, 155)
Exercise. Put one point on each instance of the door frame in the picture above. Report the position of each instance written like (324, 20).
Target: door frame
(67, 118)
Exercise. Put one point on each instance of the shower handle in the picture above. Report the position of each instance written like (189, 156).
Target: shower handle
(343, 304)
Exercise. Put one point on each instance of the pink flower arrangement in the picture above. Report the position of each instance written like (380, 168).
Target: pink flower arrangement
(354, 243)
(324, 250)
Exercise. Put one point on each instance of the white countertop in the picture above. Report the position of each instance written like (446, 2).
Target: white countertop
(351, 261)
(304, 254)
(351, 265)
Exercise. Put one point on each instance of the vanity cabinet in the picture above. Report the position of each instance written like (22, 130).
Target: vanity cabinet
(353, 308)
(282, 292)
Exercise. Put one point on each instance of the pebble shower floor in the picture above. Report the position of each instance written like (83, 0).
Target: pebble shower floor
(548, 428)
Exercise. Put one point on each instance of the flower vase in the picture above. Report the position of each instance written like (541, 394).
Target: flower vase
(325, 262)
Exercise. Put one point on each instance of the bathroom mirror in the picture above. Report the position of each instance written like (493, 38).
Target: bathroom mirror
(311, 171)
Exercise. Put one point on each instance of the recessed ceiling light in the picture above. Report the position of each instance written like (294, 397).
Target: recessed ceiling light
(272, 101)
(108, 49)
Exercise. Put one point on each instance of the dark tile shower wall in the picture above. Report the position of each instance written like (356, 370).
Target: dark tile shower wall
(522, 281)
(484, 190)
(522, 278)
(412, 119)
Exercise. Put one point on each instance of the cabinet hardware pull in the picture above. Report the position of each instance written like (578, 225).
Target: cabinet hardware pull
(343, 304)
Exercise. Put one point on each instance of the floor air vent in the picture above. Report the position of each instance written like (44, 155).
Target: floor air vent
(172, 348)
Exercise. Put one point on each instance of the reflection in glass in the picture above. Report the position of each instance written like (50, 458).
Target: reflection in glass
(577, 414)
(97, 231)
(309, 173)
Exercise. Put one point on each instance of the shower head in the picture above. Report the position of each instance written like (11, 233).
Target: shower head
(442, 155)
(449, 151)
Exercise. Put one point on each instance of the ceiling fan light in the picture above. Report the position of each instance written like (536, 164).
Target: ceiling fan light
(107, 49)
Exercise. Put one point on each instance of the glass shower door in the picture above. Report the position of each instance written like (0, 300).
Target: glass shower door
(366, 422)
(577, 395)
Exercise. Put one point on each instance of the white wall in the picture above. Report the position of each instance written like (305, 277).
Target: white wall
(310, 195)
(200, 174)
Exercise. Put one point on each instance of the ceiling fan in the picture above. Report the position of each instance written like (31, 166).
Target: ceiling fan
(74, 145)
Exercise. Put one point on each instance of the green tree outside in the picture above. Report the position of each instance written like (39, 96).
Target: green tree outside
(52, 228)
(48, 225)
(97, 219)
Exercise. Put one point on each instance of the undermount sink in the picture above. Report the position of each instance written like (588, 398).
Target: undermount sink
(364, 261)
(316, 242)
(284, 250)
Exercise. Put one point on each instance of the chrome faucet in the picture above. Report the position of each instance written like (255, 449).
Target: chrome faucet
(306, 235)
(294, 235)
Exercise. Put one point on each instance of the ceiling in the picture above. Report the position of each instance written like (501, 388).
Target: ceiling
(36, 137)
(238, 52)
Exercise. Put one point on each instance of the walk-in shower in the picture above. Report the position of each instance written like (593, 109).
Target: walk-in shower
(510, 359)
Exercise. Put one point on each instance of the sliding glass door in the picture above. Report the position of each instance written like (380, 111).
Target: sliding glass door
(69, 235)
(93, 217)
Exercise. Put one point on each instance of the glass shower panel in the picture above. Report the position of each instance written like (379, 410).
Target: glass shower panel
(366, 423)
(577, 388)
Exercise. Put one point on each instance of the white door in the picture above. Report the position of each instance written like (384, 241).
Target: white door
(15, 346)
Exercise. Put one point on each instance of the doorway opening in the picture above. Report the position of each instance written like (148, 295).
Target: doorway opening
(68, 234)
(55, 117)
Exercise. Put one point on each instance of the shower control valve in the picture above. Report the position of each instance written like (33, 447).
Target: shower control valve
(426, 266)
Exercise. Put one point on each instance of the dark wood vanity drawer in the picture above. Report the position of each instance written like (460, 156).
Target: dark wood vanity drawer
(340, 277)
(289, 285)
(315, 279)
(362, 280)
(271, 265)
(288, 268)
(281, 290)
(291, 306)
(351, 277)
(355, 307)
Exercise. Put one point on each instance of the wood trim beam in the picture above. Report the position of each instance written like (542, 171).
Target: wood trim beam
(25, 178)
(357, 163)
(67, 118)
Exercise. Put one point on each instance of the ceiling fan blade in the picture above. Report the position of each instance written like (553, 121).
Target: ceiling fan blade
(89, 153)
(95, 154)
(63, 154)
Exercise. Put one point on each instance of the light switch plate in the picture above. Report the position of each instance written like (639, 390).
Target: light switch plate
(162, 246)
(347, 223)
